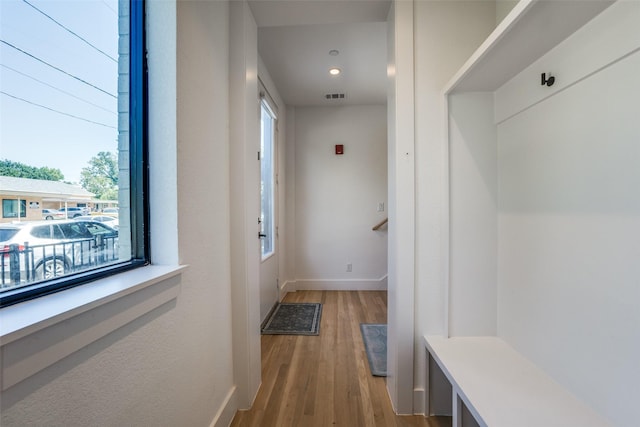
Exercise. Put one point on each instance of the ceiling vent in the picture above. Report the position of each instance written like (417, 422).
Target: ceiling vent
(334, 96)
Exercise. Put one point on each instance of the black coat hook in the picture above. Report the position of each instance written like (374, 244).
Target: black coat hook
(549, 81)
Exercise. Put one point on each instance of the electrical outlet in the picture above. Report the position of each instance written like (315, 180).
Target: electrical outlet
(349, 267)
(381, 207)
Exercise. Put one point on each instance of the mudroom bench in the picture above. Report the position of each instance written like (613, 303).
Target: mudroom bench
(492, 385)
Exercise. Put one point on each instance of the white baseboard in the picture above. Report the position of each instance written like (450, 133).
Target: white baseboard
(227, 411)
(286, 287)
(419, 402)
(334, 285)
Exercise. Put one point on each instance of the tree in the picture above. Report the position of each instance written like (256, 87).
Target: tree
(20, 170)
(101, 176)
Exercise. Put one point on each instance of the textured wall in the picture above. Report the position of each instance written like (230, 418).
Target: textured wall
(172, 366)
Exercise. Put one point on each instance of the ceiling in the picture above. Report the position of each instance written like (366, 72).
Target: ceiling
(296, 36)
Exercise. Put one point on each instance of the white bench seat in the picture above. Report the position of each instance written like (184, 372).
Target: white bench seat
(501, 388)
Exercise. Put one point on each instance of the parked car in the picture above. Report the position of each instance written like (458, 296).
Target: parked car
(72, 212)
(110, 211)
(109, 220)
(50, 214)
(48, 249)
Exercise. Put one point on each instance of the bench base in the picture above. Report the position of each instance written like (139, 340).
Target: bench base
(493, 385)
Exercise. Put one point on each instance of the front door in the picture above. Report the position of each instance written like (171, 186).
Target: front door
(268, 234)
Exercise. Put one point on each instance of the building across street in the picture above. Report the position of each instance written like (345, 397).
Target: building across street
(24, 199)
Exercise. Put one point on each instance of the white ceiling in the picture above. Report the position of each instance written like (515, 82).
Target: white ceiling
(294, 40)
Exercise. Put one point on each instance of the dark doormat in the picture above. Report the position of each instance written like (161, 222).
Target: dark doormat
(375, 343)
(294, 319)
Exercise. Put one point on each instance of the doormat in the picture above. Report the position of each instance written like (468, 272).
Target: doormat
(375, 344)
(301, 318)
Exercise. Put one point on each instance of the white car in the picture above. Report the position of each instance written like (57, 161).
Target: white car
(47, 249)
(105, 219)
(50, 214)
(110, 211)
(72, 212)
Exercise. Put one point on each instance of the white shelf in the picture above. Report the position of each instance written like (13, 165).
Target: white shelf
(530, 30)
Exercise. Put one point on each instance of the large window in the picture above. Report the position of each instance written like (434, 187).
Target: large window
(73, 126)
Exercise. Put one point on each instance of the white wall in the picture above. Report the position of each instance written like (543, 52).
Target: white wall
(245, 200)
(473, 215)
(172, 366)
(401, 243)
(288, 190)
(204, 348)
(337, 196)
(446, 34)
(569, 224)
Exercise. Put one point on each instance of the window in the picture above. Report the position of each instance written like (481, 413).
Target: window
(73, 126)
(42, 232)
(14, 208)
(267, 181)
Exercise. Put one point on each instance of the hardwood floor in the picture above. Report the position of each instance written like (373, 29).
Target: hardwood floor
(325, 380)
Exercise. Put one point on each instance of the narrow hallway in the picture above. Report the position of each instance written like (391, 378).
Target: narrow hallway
(325, 380)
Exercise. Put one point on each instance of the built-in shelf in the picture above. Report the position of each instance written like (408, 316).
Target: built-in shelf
(533, 172)
(530, 30)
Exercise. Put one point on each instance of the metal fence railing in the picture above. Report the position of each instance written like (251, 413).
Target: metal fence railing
(25, 264)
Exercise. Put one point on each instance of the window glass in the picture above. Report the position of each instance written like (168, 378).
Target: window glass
(267, 181)
(7, 233)
(72, 130)
(14, 208)
(95, 228)
(41, 232)
(57, 233)
(75, 230)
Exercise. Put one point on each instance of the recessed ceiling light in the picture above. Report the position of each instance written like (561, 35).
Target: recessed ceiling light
(333, 52)
(334, 71)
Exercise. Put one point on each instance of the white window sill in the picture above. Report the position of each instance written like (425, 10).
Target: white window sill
(32, 333)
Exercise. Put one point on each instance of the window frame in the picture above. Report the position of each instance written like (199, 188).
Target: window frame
(138, 171)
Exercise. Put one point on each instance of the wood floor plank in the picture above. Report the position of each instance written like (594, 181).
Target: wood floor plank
(325, 380)
(324, 413)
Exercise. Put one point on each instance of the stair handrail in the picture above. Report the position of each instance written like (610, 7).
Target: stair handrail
(380, 224)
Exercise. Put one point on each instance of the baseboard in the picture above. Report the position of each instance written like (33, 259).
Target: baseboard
(268, 316)
(286, 287)
(341, 285)
(419, 402)
(227, 411)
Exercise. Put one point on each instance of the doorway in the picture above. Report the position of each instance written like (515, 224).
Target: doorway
(267, 221)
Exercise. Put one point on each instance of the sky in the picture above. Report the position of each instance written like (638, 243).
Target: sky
(76, 112)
